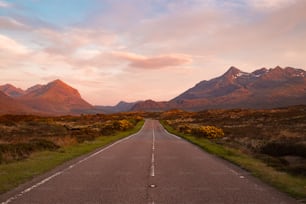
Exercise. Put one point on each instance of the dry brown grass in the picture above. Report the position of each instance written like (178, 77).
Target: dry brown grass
(270, 135)
(19, 135)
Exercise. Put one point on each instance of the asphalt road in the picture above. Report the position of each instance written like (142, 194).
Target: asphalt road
(151, 166)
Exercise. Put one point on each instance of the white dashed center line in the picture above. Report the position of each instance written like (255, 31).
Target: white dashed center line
(152, 171)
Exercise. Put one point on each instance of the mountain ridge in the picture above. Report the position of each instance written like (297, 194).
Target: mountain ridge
(55, 98)
(262, 88)
(9, 105)
(11, 90)
(122, 106)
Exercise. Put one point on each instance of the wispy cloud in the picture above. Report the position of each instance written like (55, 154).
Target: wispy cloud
(70, 40)
(11, 46)
(4, 4)
(189, 39)
(11, 24)
(270, 4)
(154, 62)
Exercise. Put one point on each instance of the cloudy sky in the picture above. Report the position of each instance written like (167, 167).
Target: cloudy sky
(112, 50)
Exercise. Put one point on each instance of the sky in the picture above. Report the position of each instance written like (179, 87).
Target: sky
(130, 50)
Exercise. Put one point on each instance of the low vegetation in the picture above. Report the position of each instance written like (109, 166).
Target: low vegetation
(23, 135)
(39, 144)
(269, 143)
(202, 131)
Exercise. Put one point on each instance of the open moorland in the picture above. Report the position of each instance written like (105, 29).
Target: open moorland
(32, 145)
(276, 136)
(270, 144)
(20, 136)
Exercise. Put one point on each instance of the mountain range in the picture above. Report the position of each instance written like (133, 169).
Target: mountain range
(56, 98)
(263, 88)
(122, 106)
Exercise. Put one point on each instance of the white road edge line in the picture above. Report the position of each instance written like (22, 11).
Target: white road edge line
(70, 167)
(231, 170)
(177, 137)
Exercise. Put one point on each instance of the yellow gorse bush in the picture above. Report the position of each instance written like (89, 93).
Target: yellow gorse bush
(211, 132)
(124, 124)
(207, 131)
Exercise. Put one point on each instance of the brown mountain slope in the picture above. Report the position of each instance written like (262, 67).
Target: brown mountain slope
(9, 105)
(11, 90)
(150, 105)
(236, 89)
(263, 88)
(33, 88)
(122, 106)
(56, 97)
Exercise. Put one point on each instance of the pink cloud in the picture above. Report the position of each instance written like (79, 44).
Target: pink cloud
(212, 35)
(270, 4)
(154, 62)
(69, 41)
(9, 45)
(11, 24)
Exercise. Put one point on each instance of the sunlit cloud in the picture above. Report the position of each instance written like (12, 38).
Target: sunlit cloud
(11, 46)
(271, 4)
(116, 42)
(70, 40)
(154, 62)
(11, 24)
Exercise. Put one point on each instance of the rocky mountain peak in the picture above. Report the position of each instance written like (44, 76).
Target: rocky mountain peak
(11, 90)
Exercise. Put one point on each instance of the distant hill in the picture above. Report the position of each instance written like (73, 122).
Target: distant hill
(122, 106)
(33, 88)
(263, 88)
(9, 105)
(11, 90)
(151, 106)
(56, 97)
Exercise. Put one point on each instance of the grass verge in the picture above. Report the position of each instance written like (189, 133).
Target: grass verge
(295, 186)
(13, 174)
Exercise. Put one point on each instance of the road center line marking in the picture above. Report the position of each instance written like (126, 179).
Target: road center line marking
(153, 145)
(152, 170)
(66, 169)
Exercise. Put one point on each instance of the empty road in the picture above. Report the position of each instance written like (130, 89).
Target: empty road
(149, 167)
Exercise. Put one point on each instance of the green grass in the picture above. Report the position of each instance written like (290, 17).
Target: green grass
(16, 173)
(293, 185)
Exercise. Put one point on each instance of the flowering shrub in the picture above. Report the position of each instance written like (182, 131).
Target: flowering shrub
(20, 136)
(124, 124)
(210, 132)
